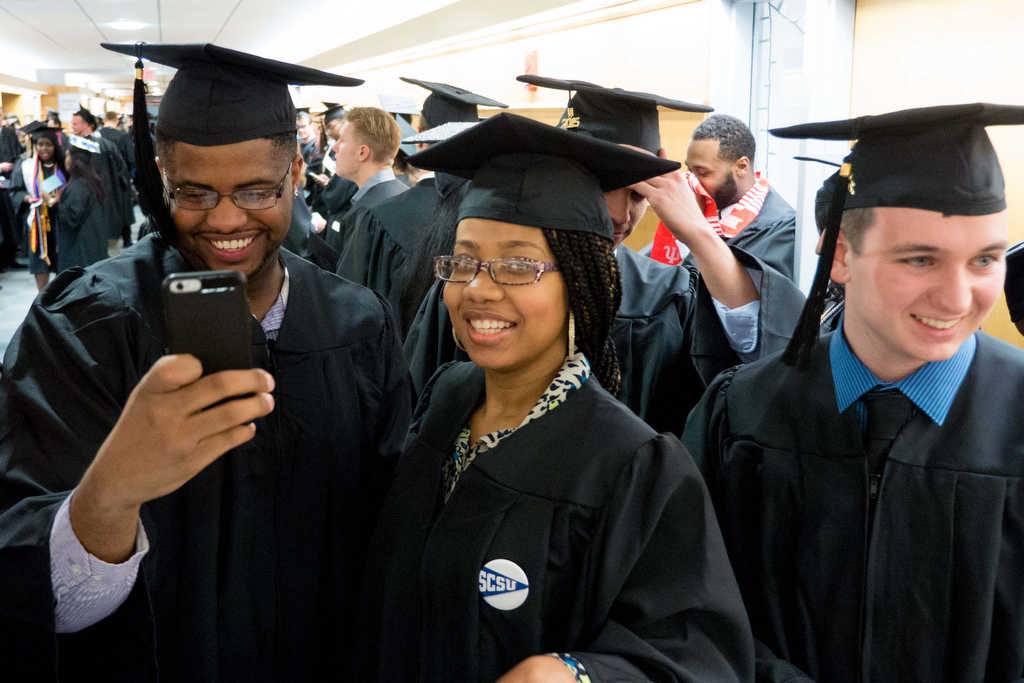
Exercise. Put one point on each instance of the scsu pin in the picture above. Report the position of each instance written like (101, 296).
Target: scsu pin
(503, 584)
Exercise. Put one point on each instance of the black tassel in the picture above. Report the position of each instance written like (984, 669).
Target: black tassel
(147, 175)
(798, 352)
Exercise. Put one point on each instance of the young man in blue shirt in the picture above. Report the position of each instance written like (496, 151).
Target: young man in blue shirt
(868, 482)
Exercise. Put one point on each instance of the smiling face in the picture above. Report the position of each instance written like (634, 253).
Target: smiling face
(44, 149)
(918, 284)
(227, 237)
(509, 328)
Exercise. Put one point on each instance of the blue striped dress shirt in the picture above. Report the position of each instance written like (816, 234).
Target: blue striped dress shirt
(931, 388)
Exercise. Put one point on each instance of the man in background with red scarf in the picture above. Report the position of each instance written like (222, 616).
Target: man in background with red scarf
(738, 203)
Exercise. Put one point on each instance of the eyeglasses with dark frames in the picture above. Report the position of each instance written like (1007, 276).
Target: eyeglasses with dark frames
(197, 199)
(504, 271)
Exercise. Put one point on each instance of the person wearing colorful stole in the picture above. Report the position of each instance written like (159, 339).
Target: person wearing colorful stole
(34, 192)
(870, 482)
(738, 203)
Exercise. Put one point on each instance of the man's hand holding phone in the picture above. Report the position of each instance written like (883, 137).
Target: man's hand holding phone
(171, 428)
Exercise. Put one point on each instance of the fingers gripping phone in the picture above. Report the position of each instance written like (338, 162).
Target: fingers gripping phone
(207, 315)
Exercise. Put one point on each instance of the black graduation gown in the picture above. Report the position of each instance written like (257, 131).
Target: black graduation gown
(17, 191)
(253, 563)
(9, 227)
(770, 237)
(668, 337)
(338, 239)
(384, 241)
(81, 234)
(610, 522)
(933, 589)
(117, 205)
(10, 148)
(123, 142)
(332, 203)
(300, 239)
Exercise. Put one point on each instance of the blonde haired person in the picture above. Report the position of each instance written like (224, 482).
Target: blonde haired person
(366, 148)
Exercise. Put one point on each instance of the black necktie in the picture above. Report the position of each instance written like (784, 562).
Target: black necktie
(888, 412)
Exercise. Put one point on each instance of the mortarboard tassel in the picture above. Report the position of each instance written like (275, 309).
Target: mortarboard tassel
(798, 352)
(147, 175)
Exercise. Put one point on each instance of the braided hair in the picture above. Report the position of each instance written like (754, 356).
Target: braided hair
(591, 273)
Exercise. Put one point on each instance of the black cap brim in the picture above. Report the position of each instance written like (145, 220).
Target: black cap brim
(628, 96)
(177, 55)
(614, 166)
(1015, 281)
(976, 114)
(455, 93)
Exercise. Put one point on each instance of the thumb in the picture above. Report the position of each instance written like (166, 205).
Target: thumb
(170, 373)
(662, 154)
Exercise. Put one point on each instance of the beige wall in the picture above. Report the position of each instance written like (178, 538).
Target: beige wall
(679, 57)
(911, 53)
(676, 46)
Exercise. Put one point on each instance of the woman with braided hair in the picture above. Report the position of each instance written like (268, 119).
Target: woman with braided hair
(537, 529)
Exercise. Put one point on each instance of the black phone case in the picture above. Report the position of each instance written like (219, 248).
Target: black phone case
(213, 324)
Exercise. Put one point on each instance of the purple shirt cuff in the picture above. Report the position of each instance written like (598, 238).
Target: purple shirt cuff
(87, 589)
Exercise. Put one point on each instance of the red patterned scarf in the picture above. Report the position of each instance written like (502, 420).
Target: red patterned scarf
(665, 248)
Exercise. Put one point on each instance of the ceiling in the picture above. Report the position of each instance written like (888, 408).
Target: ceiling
(56, 42)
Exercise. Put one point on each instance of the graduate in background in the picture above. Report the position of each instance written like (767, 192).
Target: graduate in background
(671, 336)
(394, 243)
(160, 524)
(537, 529)
(736, 201)
(328, 194)
(868, 482)
(384, 249)
(1015, 284)
(34, 190)
(81, 232)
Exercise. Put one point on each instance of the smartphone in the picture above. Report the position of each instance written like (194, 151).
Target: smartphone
(207, 315)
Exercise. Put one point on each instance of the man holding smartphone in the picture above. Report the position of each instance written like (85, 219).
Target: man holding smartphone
(154, 519)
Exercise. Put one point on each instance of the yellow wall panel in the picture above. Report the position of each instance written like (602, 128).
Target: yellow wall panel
(913, 53)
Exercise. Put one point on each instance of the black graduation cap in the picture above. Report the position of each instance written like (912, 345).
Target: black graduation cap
(529, 173)
(217, 97)
(447, 103)
(333, 111)
(87, 116)
(39, 129)
(823, 198)
(1014, 287)
(613, 114)
(933, 158)
(30, 128)
(221, 96)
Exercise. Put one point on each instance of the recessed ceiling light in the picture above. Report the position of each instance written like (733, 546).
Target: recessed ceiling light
(126, 25)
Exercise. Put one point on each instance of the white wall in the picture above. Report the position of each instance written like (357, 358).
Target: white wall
(802, 72)
(665, 51)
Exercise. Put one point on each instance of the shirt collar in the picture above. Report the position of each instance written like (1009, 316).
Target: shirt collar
(274, 318)
(377, 178)
(932, 387)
